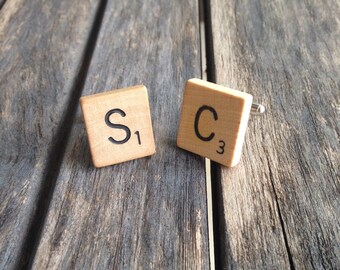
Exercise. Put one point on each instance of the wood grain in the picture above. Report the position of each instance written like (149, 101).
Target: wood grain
(280, 206)
(41, 50)
(148, 213)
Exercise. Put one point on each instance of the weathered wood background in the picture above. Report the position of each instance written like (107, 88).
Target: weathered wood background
(278, 209)
(42, 50)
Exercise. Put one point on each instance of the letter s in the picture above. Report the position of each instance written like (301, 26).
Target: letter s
(118, 126)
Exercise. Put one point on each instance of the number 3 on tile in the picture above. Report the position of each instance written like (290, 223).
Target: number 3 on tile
(221, 147)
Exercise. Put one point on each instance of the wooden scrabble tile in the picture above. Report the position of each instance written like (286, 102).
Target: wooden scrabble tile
(213, 121)
(118, 125)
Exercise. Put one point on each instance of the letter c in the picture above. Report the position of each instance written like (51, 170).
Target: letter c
(197, 118)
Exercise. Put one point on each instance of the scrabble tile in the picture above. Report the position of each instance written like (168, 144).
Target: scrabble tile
(118, 125)
(213, 121)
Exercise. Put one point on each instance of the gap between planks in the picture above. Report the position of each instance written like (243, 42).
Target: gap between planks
(211, 168)
(2, 3)
(33, 237)
(208, 177)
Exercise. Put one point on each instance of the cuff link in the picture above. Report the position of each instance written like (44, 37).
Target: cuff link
(118, 125)
(213, 121)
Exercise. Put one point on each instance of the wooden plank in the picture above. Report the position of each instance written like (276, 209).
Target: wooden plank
(280, 204)
(148, 213)
(42, 47)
